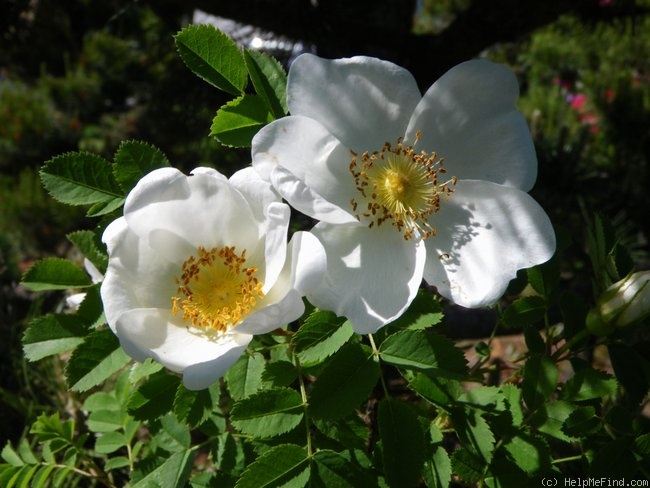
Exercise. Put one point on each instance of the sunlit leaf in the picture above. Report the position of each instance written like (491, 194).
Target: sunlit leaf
(52, 334)
(474, 431)
(93, 361)
(269, 79)
(172, 473)
(283, 465)
(268, 413)
(80, 178)
(110, 442)
(86, 241)
(213, 56)
(344, 383)
(587, 384)
(320, 336)
(245, 376)
(133, 160)
(55, 274)
(239, 120)
(425, 351)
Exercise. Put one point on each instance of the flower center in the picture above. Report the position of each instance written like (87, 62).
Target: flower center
(401, 186)
(215, 290)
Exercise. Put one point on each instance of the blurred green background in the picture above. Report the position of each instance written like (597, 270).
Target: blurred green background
(90, 74)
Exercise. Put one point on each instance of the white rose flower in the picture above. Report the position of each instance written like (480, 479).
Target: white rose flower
(407, 186)
(198, 265)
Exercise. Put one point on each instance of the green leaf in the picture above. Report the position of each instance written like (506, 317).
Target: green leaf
(284, 465)
(587, 384)
(11, 456)
(155, 397)
(550, 417)
(269, 79)
(52, 334)
(474, 431)
(279, 373)
(194, 407)
(110, 442)
(173, 473)
(86, 241)
(402, 443)
(213, 56)
(116, 462)
(140, 371)
(268, 413)
(320, 336)
(135, 159)
(228, 455)
(489, 398)
(545, 278)
(582, 422)
(467, 465)
(512, 396)
(245, 376)
(423, 313)
(333, 470)
(437, 469)
(239, 120)
(350, 431)
(80, 178)
(173, 436)
(93, 361)
(106, 420)
(103, 208)
(529, 452)
(642, 445)
(91, 308)
(50, 428)
(540, 380)
(55, 274)
(439, 391)
(344, 383)
(524, 311)
(425, 351)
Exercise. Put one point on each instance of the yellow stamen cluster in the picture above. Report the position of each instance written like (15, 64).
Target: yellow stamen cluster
(401, 186)
(215, 290)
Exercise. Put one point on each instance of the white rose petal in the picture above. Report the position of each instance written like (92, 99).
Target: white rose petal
(407, 186)
(198, 265)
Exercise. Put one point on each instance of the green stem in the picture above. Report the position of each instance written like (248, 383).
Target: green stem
(566, 459)
(570, 343)
(305, 404)
(375, 352)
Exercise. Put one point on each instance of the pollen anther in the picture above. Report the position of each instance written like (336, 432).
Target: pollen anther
(399, 185)
(216, 290)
